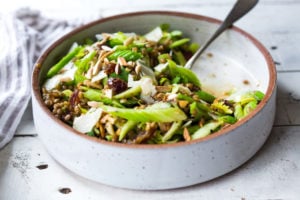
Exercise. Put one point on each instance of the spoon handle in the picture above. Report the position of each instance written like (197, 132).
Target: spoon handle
(240, 8)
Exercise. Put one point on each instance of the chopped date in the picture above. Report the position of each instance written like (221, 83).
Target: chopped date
(117, 85)
(74, 100)
(109, 68)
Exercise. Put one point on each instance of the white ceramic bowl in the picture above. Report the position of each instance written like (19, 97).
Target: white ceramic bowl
(237, 61)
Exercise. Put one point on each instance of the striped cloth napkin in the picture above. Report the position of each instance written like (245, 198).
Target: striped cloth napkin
(24, 35)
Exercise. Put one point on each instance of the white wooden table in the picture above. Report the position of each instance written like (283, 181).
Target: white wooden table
(28, 172)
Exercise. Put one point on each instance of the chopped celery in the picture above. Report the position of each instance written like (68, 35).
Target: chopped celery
(65, 60)
(164, 81)
(129, 125)
(251, 96)
(185, 97)
(206, 129)
(134, 91)
(79, 76)
(220, 107)
(67, 93)
(238, 111)
(176, 80)
(227, 119)
(193, 47)
(168, 114)
(179, 57)
(97, 95)
(186, 74)
(205, 96)
(91, 133)
(249, 107)
(203, 106)
(175, 127)
(83, 66)
(117, 39)
(114, 42)
(176, 33)
(179, 43)
(128, 55)
(258, 95)
(197, 111)
(245, 100)
(163, 58)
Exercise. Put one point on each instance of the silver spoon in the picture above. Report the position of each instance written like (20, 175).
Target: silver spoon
(240, 8)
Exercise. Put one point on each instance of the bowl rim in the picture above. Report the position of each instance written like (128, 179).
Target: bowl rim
(226, 130)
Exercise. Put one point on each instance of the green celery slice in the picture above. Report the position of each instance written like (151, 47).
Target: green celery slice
(65, 60)
(152, 113)
(184, 73)
(206, 129)
(179, 43)
(129, 125)
(97, 95)
(249, 107)
(205, 96)
(129, 93)
(175, 126)
(128, 55)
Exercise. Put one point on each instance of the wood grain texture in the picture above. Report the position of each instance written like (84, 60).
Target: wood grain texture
(268, 175)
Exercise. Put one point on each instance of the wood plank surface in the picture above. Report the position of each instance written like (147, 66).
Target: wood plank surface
(268, 175)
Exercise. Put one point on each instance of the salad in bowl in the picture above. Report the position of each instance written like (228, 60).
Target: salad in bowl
(132, 88)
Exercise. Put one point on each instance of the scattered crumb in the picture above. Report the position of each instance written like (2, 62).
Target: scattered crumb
(209, 55)
(273, 47)
(213, 75)
(227, 93)
(65, 190)
(277, 63)
(42, 166)
(21, 163)
(243, 198)
(232, 189)
(246, 82)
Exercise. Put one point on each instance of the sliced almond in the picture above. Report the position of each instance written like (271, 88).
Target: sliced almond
(122, 61)
(89, 73)
(106, 48)
(97, 67)
(104, 56)
(186, 134)
(128, 41)
(117, 68)
(102, 130)
(138, 69)
(93, 104)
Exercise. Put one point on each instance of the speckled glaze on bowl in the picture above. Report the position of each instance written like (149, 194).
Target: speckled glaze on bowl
(167, 166)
